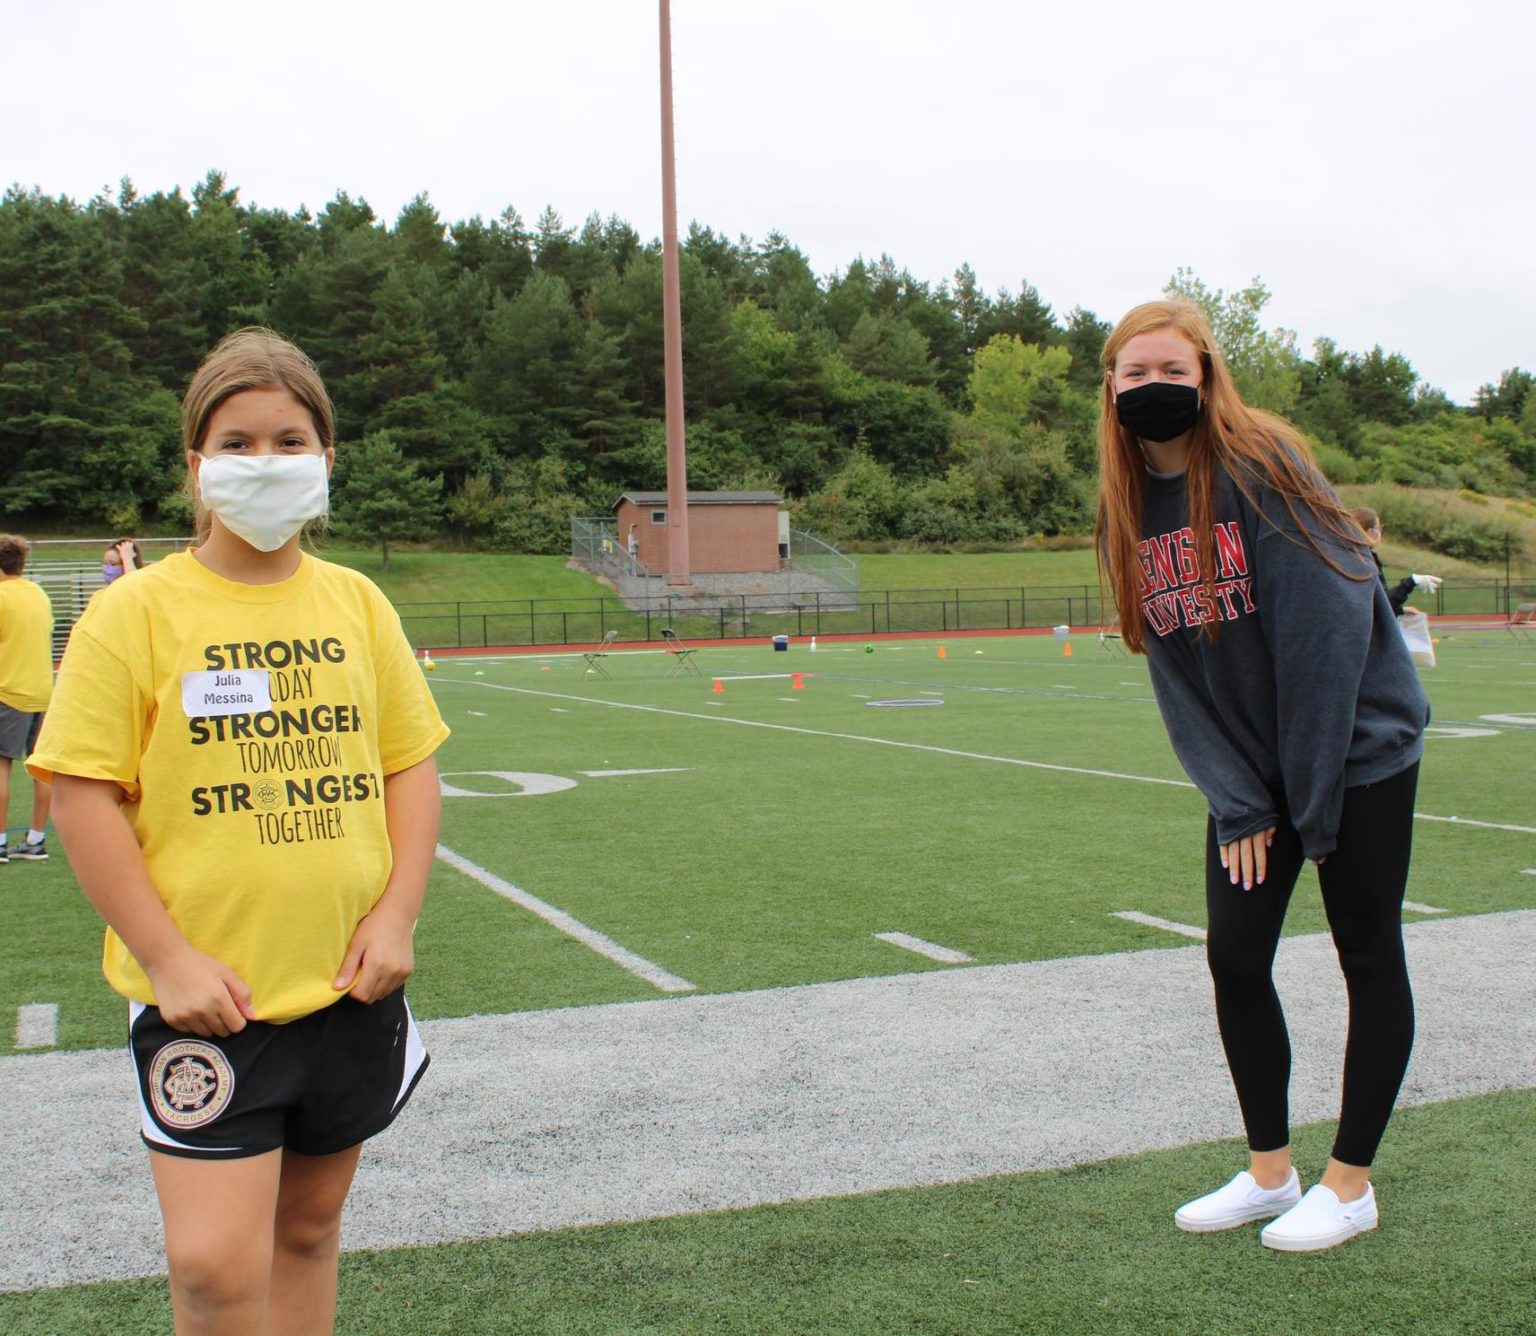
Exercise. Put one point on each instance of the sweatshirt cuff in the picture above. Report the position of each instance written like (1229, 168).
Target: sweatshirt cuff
(1239, 828)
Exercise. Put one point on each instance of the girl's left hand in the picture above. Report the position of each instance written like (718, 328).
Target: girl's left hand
(1248, 858)
(379, 957)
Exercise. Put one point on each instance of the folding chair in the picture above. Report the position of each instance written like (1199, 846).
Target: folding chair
(1522, 621)
(595, 657)
(1110, 641)
(682, 656)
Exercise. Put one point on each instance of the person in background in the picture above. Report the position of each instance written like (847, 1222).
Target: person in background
(1397, 594)
(122, 555)
(1291, 702)
(26, 683)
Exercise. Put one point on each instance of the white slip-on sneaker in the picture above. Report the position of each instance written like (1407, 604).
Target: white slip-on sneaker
(1238, 1203)
(1321, 1220)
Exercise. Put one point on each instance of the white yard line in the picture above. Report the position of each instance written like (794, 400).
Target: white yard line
(610, 774)
(844, 737)
(1167, 925)
(1417, 908)
(558, 919)
(930, 949)
(1483, 825)
(37, 1025)
(918, 746)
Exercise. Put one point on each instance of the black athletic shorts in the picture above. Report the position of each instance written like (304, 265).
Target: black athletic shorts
(316, 1085)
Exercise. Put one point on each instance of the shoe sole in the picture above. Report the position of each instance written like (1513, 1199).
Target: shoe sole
(1318, 1243)
(1230, 1221)
(26, 858)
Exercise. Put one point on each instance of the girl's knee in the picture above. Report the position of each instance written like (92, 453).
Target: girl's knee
(213, 1278)
(308, 1233)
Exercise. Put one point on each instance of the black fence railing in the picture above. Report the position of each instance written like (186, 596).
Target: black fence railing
(516, 623)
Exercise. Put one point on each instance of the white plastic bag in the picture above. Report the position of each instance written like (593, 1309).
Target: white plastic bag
(1415, 628)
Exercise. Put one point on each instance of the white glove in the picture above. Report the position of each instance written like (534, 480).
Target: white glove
(1427, 582)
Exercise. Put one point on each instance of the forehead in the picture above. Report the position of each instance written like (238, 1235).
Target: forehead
(1157, 347)
(271, 405)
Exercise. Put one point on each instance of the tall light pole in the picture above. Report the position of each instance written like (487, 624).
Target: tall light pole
(672, 328)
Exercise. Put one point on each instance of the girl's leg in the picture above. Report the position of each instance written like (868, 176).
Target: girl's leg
(1363, 883)
(307, 1240)
(218, 1239)
(1243, 932)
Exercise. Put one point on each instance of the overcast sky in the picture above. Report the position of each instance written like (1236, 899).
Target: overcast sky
(1371, 161)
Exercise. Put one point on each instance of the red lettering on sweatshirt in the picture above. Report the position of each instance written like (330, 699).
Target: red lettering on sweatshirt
(1172, 594)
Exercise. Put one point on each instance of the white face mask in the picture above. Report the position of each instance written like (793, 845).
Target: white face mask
(265, 499)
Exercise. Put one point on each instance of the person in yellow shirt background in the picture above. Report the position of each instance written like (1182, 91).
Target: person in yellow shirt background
(26, 682)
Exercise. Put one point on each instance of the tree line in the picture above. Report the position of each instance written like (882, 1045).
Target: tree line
(491, 378)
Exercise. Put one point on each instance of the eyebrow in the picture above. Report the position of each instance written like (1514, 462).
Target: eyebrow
(282, 431)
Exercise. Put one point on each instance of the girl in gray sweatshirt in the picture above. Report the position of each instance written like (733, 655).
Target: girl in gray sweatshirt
(1292, 704)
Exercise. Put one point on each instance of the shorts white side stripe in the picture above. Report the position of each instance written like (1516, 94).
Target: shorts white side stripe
(415, 1055)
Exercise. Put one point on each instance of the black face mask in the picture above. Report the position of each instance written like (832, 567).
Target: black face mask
(1158, 410)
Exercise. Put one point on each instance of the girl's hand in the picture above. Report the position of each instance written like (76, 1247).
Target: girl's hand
(379, 957)
(200, 994)
(1249, 857)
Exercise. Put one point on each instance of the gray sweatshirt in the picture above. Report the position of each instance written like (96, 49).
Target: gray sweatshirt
(1308, 690)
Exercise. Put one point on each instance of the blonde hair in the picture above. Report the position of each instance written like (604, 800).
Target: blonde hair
(253, 358)
(1254, 448)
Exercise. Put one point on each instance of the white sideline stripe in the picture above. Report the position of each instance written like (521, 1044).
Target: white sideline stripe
(1417, 908)
(1152, 921)
(561, 921)
(932, 950)
(844, 737)
(1467, 821)
(37, 1025)
(1528, 871)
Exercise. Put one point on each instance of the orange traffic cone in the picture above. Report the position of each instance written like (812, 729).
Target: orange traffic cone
(1066, 649)
(943, 653)
(797, 681)
(718, 688)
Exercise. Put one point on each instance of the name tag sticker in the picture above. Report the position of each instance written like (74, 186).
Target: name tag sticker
(248, 691)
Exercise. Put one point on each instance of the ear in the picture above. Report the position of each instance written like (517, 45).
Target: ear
(194, 465)
(330, 461)
(1109, 384)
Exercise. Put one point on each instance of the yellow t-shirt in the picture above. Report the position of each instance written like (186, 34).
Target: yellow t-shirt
(26, 646)
(262, 824)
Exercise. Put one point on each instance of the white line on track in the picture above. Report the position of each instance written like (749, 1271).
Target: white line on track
(932, 950)
(1167, 925)
(1417, 908)
(37, 1025)
(561, 921)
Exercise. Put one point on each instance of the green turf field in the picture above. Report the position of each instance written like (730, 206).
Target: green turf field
(762, 836)
(769, 832)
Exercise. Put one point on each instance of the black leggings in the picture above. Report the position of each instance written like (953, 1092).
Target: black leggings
(1363, 881)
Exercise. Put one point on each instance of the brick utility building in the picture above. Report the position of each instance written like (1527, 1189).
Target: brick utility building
(735, 532)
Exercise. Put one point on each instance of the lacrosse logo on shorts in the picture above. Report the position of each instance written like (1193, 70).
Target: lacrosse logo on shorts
(190, 1083)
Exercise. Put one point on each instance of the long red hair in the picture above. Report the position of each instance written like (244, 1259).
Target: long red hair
(1254, 448)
